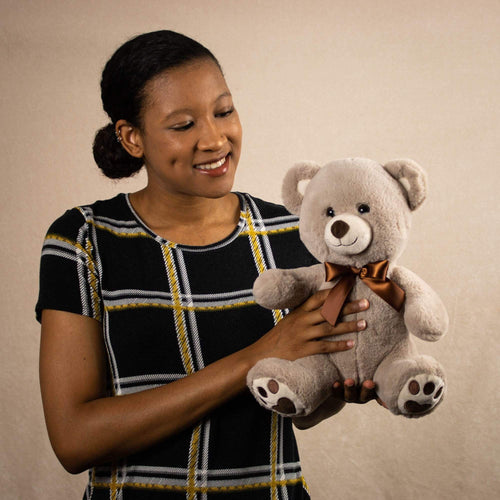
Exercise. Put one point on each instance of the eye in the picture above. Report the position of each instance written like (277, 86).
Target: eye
(363, 208)
(182, 127)
(330, 212)
(225, 113)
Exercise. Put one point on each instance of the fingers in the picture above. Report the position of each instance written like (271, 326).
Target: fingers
(346, 327)
(324, 329)
(352, 393)
(347, 392)
(338, 391)
(315, 301)
(328, 346)
(367, 392)
(355, 306)
(316, 318)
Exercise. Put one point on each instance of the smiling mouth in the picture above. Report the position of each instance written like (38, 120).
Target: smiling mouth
(212, 166)
(349, 245)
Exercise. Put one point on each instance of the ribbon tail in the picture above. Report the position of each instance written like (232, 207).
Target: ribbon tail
(336, 298)
(392, 293)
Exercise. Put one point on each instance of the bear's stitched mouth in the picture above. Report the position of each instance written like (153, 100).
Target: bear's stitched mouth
(346, 245)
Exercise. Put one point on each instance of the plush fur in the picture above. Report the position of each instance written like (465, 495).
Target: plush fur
(374, 205)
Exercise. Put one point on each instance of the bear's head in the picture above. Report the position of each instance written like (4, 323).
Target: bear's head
(355, 211)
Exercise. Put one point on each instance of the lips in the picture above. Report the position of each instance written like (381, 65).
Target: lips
(214, 169)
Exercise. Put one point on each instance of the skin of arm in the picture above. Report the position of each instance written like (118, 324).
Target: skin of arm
(87, 427)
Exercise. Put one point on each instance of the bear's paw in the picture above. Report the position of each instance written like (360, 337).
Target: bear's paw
(420, 394)
(277, 396)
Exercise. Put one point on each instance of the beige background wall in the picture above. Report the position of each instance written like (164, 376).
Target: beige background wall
(312, 80)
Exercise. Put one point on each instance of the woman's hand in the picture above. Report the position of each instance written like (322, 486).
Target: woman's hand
(352, 393)
(342, 393)
(305, 332)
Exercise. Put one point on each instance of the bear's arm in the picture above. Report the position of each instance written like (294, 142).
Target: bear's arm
(424, 313)
(287, 288)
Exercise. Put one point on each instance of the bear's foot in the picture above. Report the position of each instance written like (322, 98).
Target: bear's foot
(277, 396)
(420, 394)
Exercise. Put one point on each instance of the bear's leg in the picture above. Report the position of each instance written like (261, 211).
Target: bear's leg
(292, 388)
(411, 386)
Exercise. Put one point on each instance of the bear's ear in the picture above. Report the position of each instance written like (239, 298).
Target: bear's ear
(413, 179)
(290, 194)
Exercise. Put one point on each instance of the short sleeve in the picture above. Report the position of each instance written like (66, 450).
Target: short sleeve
(69, 278)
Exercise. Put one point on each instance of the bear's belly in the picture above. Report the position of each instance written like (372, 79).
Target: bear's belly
(385, 331)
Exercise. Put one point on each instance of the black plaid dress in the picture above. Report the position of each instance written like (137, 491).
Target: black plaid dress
(168, 310)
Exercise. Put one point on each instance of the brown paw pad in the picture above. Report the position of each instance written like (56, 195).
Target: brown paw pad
(272, 386)
(285, 406)
(414, 407)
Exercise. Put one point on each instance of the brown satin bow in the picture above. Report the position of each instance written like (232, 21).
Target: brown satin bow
(373, 275)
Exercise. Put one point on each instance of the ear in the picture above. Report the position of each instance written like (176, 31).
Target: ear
(130, 138)
(412, 178)
(290, 194)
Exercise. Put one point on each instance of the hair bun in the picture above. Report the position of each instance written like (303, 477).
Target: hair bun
(111, 157)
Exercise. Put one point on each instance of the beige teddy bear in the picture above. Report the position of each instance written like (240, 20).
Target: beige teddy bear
(355, 217)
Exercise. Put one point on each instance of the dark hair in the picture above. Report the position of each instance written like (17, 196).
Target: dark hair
(123, 81)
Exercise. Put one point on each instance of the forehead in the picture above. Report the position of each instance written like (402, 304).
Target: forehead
(193, 84)
(345, 184)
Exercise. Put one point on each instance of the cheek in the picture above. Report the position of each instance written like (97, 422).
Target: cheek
(234, 128)
(172, 151)
(312, 235)
(236, 136)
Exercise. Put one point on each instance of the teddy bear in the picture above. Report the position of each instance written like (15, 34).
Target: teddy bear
(354, 218)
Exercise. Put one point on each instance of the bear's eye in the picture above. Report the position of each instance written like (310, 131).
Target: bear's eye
(363, 208)
(330, 212)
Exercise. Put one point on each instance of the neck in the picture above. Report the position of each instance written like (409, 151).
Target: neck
(187, 220)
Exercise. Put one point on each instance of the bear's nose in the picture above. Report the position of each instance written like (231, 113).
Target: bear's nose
(339, 228)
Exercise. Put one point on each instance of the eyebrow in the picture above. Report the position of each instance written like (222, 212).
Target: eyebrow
(188, 110)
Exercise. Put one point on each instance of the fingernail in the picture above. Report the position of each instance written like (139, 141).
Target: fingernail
(361, 324)
(350, 343)
(363, 304)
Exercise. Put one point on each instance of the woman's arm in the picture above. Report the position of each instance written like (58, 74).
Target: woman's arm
(86, 427)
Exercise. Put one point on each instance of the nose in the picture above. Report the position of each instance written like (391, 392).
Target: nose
(211, 137)
(339, 228)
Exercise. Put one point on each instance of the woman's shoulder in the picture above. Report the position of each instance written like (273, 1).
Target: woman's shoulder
(72, 220)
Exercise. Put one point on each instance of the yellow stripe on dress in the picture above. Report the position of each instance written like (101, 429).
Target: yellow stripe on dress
(182, 338)
(277, 315)
(254, 242)
(179, 319)
(96, 303)
(57, 237)
(205, 489)
(269, 231)
(193, 459)
(134, 305)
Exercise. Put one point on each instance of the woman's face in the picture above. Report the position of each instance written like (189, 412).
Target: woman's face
(191, 133)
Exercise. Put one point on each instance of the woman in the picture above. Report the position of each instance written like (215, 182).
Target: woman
(147, 297)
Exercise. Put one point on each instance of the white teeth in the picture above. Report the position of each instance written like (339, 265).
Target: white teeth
(212, 166)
